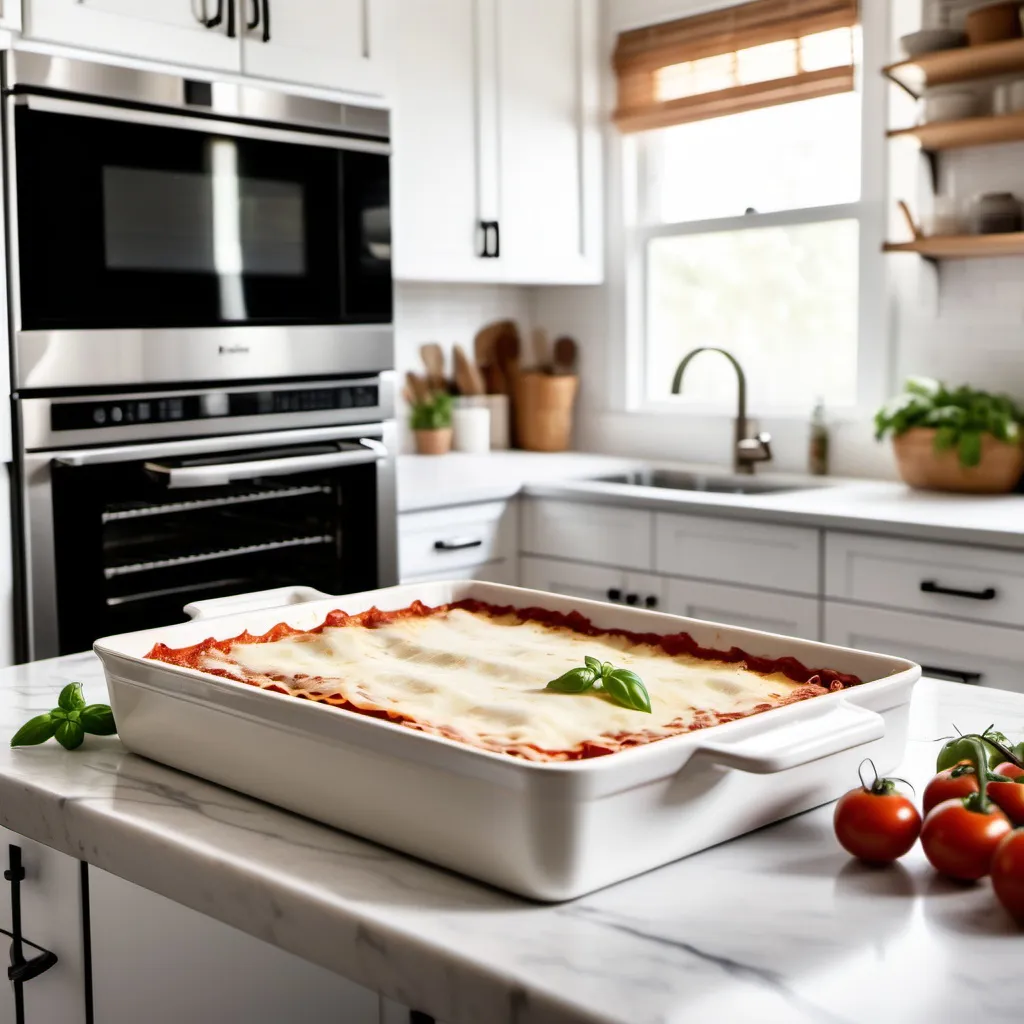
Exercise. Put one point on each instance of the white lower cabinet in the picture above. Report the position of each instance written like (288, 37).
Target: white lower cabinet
(156, 961)
(965, 652)
(592, 582)
(503, 571)
(50, 896)
(740, 606)
(602, 534)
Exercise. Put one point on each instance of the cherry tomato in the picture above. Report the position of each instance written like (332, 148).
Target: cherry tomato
(1009, 798)
(878, 825)
(959, 841)
(1008, 770)
(946, 786)
(1008, 874)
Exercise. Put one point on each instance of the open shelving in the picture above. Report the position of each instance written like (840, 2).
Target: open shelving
(971, 131)
(963, 64)
(962, 247)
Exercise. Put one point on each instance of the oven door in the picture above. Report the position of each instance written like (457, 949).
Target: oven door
(155, 227)
(137, 533)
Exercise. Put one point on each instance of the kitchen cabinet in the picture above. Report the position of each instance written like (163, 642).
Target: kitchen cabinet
(333, 44)
(497, 162)
(603, 534)
(51, 917)
(171, 31)
(10, 15)
(739, 606)
(156, 961)
(966, 652)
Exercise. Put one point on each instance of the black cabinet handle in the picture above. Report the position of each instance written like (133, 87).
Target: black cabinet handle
(614, 594)
(931, 587)
(218, 17)
(954, 675)
(254, 21)
(21, 969)
(266, 21)
(457, 545)
(231, 19)
(497, 239)
(651, 601)
(490, 229)
(632, 598)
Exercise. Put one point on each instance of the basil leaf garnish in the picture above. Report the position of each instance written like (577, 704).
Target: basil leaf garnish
(70, 734)
(628, 689)
(593, 664)
(576, 680)
(71, 698)
(35, 730)
(98, 719)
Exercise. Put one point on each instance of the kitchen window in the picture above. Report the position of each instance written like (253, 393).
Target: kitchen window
(748, 222)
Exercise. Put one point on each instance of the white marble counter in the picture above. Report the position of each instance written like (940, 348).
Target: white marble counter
(778, 926)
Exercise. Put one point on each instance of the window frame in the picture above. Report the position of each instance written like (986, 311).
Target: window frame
(873, 341)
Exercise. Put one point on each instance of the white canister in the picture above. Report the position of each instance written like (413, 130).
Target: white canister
(471, 425)
(500, 425)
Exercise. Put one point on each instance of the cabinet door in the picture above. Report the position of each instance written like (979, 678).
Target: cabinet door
(965, 652)
(550, 146)
(163, 30)
(334, 44)
(444, 164)
(740, 606)
(156, 961)
(51, 917)
(589, 533)
(593, 582)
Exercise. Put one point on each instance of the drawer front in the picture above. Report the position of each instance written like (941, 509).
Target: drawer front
(965, 652)
(593, 582)
(588, 533)
(736, 606)
(502, 571)
(731, 551)
(435, 542)
(942, 579)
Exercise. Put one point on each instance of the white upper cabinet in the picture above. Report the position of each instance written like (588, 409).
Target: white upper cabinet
(497, 165)
(186, 32)
(332, 44)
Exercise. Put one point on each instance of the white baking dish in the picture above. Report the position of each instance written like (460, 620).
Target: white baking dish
(547, 831)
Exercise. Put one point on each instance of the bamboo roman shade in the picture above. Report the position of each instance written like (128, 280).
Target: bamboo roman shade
(752, 55)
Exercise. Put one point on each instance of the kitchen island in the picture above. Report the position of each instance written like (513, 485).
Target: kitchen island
(779, 925)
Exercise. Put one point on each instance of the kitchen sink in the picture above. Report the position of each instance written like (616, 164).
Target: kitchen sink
(713, 483)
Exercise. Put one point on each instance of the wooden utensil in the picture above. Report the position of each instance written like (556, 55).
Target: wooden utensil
(508, 365)
(915, 231)
(541, 350)
(418, 386)
(565, 356)
(467, 376)
(433, 359)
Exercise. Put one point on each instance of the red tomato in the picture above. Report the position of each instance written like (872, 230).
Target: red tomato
(945, 786)
(1009, 798)
(877, 825)
(960, 842)
(1008, 874)
(1008, 770)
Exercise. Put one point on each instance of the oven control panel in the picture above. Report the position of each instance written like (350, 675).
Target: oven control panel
(181, 407)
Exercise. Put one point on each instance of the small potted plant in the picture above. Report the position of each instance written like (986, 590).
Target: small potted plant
(431, 421)
(954, 439)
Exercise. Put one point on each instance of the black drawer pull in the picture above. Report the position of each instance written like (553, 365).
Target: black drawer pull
(931, 587)
(632, 598)
(651, 601)
(459, 544)
(954, 675)
(614, 594)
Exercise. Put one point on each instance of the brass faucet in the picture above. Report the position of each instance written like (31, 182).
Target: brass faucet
(746, 450)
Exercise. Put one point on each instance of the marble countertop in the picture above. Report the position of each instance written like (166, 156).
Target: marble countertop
(865, 506)
(777, 926)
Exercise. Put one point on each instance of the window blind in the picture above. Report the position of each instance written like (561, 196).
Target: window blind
(752, 55)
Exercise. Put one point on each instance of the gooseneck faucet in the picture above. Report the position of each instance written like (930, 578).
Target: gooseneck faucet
(746, 450)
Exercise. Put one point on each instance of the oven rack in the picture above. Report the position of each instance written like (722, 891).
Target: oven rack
(170, 507)
(110, 572)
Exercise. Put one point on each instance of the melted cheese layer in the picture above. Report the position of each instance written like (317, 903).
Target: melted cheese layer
(481, 679)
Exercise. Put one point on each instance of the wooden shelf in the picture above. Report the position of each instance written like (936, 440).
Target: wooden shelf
(964, 64)
(971, 131)
(962, 247)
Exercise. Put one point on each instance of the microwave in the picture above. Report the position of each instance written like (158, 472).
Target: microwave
(164, 230)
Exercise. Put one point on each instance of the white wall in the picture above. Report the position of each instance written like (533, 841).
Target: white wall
(965, 325)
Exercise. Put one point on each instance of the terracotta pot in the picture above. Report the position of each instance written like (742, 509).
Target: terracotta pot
(993, 23)
(923, 467)
(433, 442)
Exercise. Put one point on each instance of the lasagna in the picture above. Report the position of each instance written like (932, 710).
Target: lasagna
(476, 673)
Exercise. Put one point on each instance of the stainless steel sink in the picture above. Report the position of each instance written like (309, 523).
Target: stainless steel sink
(714, 483)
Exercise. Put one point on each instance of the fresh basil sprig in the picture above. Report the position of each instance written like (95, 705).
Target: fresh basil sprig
(622, 685)
(68, 722)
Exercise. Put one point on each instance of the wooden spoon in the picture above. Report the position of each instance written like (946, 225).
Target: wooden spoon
(566, 351)
(418, 387)
(467, 376)
(433, 359)
(541, 350)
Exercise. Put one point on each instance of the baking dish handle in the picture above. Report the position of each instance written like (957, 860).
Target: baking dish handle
(258, 599)
(844, 726)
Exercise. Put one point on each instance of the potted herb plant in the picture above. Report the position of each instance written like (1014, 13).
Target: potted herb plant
(431, 422)
(954, 439)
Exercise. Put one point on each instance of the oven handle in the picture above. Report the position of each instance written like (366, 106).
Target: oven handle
(211, 126)
(227, 472)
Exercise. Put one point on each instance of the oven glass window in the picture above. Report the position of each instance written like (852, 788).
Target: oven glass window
(135, 225)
